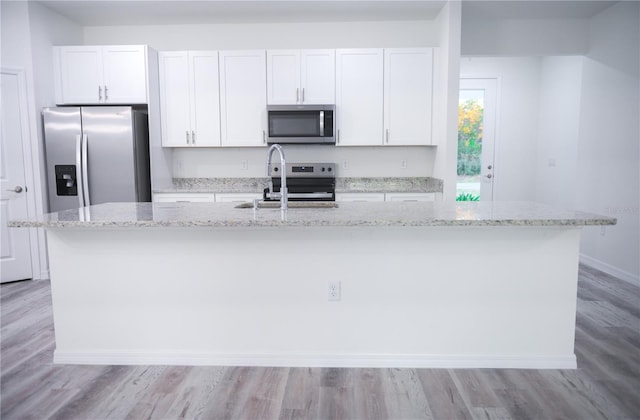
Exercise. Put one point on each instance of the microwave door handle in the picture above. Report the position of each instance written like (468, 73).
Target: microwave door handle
(321, 123)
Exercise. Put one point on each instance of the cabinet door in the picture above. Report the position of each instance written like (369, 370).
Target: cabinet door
(359, 97)
(237, 197)
(283, 77)
(243, 97)
(410, 197)
(205, 98)
(125, 74)
(183, 197)
(80, 75)
(174, 98)
(360, 197)
(318, 76)
(408, 92)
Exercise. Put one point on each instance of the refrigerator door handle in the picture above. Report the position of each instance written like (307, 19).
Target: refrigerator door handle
(79, 174)
(85, 170)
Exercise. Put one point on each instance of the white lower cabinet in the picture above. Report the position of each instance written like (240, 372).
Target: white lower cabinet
(237, 197)
(368, 197)
(373, 197)
(410, 196)
(184, 198)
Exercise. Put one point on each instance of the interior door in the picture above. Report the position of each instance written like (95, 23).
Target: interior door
(476, 139)
(15, 252)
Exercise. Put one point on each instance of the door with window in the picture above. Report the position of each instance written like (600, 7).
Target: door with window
(476, 139)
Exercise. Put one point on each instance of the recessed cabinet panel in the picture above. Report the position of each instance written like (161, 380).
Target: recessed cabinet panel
(359, 97)
(318, 76)
(408, 79)
(283, 76)
(205, 94)
(243, 97)
(80, 74)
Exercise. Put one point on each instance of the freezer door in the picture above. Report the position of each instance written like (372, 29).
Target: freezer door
(109, 137)
(62, 132)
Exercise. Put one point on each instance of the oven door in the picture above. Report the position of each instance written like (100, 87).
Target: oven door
(306, 189)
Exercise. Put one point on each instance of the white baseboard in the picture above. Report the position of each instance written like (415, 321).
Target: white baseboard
(611, 270)
(117, 357)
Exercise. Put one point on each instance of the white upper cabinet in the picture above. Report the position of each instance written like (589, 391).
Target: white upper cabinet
(243, 97)
(359, 97)
(301, 77)
(101, 74)
(190, 98)
(408, 95)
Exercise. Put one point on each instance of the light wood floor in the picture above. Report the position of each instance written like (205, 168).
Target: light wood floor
(605, 385)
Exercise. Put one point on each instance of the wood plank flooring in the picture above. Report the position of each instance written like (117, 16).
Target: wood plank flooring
(606, 384)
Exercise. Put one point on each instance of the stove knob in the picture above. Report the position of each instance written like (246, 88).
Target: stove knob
(329, 169)
(322, 170)
(275, 169)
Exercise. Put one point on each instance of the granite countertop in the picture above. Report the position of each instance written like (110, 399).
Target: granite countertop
(225, 215)
(256, 185)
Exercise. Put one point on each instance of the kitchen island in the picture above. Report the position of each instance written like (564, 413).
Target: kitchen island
(402, 284)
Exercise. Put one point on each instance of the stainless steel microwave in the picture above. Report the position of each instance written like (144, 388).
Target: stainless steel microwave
(301, 124)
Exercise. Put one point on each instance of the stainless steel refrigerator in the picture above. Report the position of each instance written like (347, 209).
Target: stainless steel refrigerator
(96, 154)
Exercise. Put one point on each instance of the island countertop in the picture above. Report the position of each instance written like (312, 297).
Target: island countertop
(346, 214)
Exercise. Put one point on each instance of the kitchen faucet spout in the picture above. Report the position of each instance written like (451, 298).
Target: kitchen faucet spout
(283, 176)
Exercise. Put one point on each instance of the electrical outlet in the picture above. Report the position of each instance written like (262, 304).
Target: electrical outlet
(334, 290)
(403, 164)
(603, 230)
(345, 164)
(244, 164)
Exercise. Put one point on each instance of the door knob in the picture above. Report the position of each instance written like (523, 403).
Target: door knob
(17, 189)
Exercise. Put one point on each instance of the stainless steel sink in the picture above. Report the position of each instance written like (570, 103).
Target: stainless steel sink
(292, 205)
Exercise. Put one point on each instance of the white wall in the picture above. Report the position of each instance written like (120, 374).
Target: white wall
(558, 130)
(521, 37)
(609, 147)
(360, 161)
(517, 121)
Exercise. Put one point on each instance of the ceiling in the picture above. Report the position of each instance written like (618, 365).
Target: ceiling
(162, 12)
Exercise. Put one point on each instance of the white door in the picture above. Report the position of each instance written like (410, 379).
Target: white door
(318, 76)
(125, 74)
(243, 98)
(81, 75)
(205, 98)
(174, 98)
(283, 77)
(359, 96)
(15, 254)
(408, 92)
(476, 138)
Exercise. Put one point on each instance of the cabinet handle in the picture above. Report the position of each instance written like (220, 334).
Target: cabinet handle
(387, 136)
(186, 134)
(338, 137)
(302, 95)
(99, 93)
(264, 137)
(106, 96)
(193, 137)
(297, 95)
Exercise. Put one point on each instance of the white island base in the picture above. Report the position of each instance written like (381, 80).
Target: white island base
(497, 297)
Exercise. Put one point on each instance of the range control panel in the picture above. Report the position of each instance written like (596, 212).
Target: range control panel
(305, 170)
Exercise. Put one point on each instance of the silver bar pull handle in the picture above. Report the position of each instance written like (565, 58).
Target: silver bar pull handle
(193, 137)
(297, 95)
(106, 95)
(338, 137)
(387, 136)
(99, 92)
(264, 137)
(302, 95)
(85, 169)
(321, 123)
(79, 182)
(186, 134)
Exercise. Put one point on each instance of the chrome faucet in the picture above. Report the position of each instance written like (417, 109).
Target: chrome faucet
(282, 195)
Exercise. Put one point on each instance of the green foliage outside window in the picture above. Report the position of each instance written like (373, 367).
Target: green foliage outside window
(470, 115)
